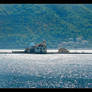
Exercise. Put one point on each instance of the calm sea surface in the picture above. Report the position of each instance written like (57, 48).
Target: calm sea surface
(45, 70)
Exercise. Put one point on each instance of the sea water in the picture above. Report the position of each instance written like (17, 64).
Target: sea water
(45, 70)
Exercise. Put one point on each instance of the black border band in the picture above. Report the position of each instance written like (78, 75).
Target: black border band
(46, 1)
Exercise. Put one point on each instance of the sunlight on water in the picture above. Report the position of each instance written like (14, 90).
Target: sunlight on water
(89, 51)
(45, 71)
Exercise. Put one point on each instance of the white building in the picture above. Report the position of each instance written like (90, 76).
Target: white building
(39, 48)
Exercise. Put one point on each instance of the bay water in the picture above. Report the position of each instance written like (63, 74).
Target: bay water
(45, 70)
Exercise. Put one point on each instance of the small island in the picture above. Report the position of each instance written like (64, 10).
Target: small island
(41, 48)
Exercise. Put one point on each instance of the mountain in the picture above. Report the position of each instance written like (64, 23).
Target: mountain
(61, 25)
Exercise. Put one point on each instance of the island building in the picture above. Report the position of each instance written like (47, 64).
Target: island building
(38, 48)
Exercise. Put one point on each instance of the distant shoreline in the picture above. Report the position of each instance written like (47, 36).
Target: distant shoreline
(39, 53)
(49, 51)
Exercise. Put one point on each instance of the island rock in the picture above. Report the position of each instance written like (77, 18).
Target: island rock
(63, 50)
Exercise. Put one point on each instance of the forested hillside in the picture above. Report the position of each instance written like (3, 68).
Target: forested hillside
(61, 25)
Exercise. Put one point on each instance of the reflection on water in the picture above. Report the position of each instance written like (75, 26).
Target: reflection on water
(45, 71)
